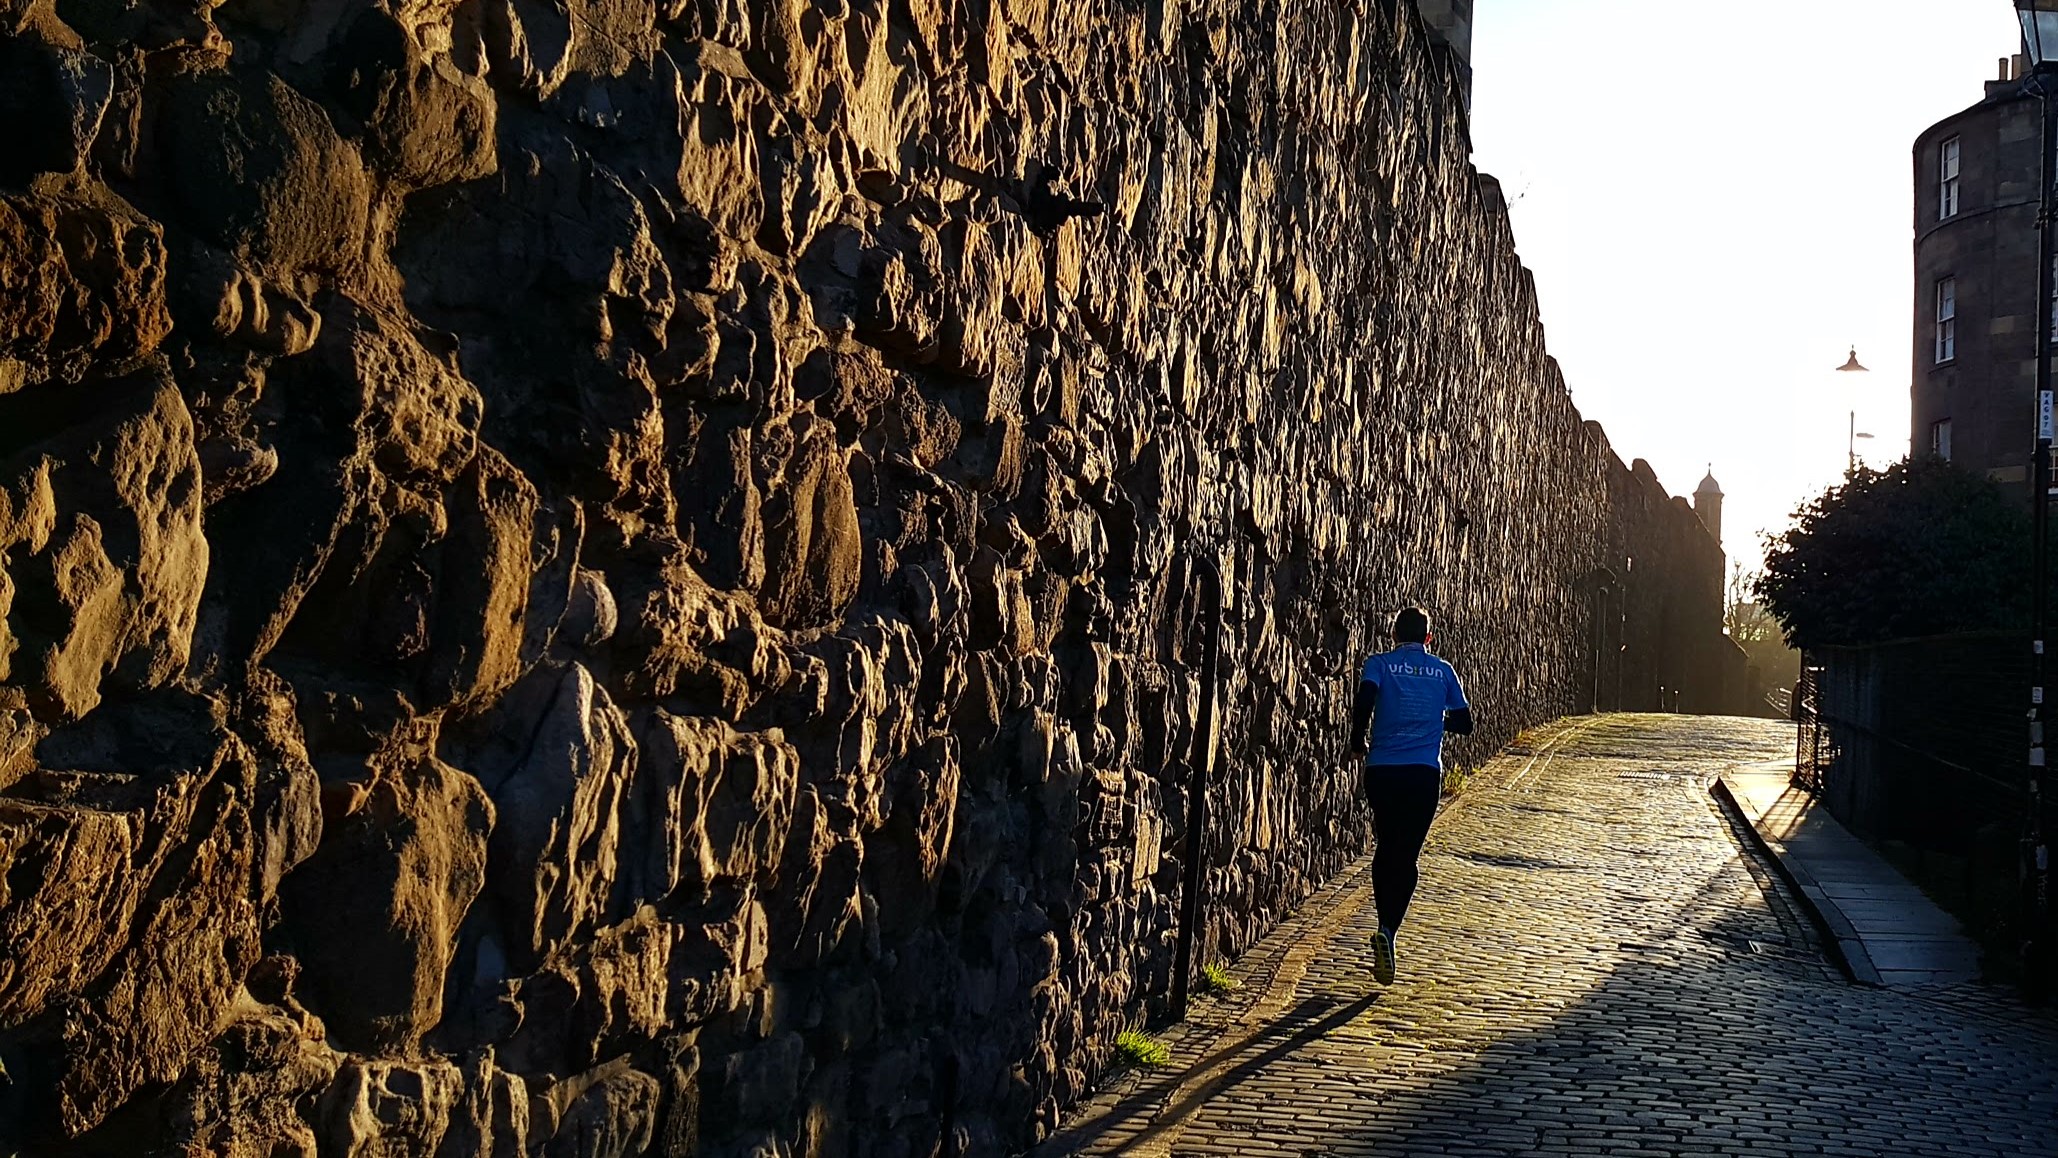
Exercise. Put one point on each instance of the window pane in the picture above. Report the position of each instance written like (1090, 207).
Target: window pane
(1947, 312)
(1947, 179)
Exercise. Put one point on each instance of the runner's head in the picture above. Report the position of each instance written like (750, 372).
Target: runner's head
(1411, 626)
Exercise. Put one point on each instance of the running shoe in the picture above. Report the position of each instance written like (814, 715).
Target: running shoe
(1382, 956)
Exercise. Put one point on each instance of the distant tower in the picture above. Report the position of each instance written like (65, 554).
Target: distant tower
(1708, 504)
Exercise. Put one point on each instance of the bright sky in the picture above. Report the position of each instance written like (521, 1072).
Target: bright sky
(1716, 202)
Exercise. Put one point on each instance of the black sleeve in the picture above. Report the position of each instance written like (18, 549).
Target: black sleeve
(1361, 712)
(1458, 723)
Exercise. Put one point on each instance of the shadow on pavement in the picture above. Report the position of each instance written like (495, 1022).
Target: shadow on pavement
(1687, 1041)
(1643, 998)
(1577, 1013)
(1210, 1076)
(1667, 1058)
(1530, 863)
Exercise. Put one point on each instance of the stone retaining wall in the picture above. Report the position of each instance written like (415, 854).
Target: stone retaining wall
(588, 577)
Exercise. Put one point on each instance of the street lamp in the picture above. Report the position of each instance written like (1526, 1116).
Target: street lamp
(1852, 366)
(2039, 29)
(2040, 41)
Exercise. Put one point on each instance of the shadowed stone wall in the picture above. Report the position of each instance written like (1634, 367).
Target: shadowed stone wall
(1662, 607)
(599, 578)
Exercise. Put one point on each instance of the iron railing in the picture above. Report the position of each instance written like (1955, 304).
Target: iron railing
(1915, 745)
(1814, 744)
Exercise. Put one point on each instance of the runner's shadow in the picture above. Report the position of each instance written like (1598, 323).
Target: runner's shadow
(1513, 861)
(1313, 1018)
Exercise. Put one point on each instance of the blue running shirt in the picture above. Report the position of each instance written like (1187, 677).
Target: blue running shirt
(1415, 690)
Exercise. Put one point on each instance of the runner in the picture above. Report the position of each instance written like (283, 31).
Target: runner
(1410, 698)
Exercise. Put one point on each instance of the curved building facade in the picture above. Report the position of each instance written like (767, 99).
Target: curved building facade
(1973, 384)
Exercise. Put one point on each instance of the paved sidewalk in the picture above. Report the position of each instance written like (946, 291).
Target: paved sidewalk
(1593, 966)
(1888, 930)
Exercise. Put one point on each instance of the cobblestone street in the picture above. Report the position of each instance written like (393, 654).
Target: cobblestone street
(1593, 966)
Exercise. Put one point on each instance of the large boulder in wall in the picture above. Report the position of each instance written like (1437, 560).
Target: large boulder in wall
(374, 913)
(101, 542)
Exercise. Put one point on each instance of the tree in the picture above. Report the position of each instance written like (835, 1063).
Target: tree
(1743, 618)
(1921, 548)
(1752, 627)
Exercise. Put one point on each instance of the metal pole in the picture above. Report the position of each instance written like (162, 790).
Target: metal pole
(1621, 635)
(1851, 447)
(1794, 709)
(1202, 760)
(1815, 738)
(1600, 608)
(2037, 934)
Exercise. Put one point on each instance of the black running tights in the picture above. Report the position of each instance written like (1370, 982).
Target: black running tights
(1404, 798)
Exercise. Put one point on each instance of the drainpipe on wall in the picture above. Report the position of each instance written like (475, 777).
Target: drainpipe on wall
(1202, 761)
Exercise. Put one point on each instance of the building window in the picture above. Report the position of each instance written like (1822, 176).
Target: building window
(1947, 179)
(1947, 319)
(1940, 439)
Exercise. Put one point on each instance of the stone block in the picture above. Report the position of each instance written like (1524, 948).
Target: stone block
(261, 170)
(378, 906)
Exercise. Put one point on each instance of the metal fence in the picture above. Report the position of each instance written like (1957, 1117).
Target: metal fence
(1919, 747)
(1814, 748)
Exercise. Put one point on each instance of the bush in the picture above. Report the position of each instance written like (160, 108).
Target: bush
(1921, 548)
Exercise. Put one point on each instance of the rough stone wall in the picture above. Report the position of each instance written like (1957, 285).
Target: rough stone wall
(603, 578)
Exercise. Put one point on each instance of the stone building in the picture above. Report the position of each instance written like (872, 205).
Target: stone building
(1973, 380)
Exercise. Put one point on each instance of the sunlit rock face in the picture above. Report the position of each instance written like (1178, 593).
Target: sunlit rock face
(580, 577)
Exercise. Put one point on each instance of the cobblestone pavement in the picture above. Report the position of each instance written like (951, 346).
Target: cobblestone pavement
(1593, 966)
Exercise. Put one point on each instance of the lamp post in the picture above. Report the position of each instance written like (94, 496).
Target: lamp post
(2040, 41)
(1851, 366)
